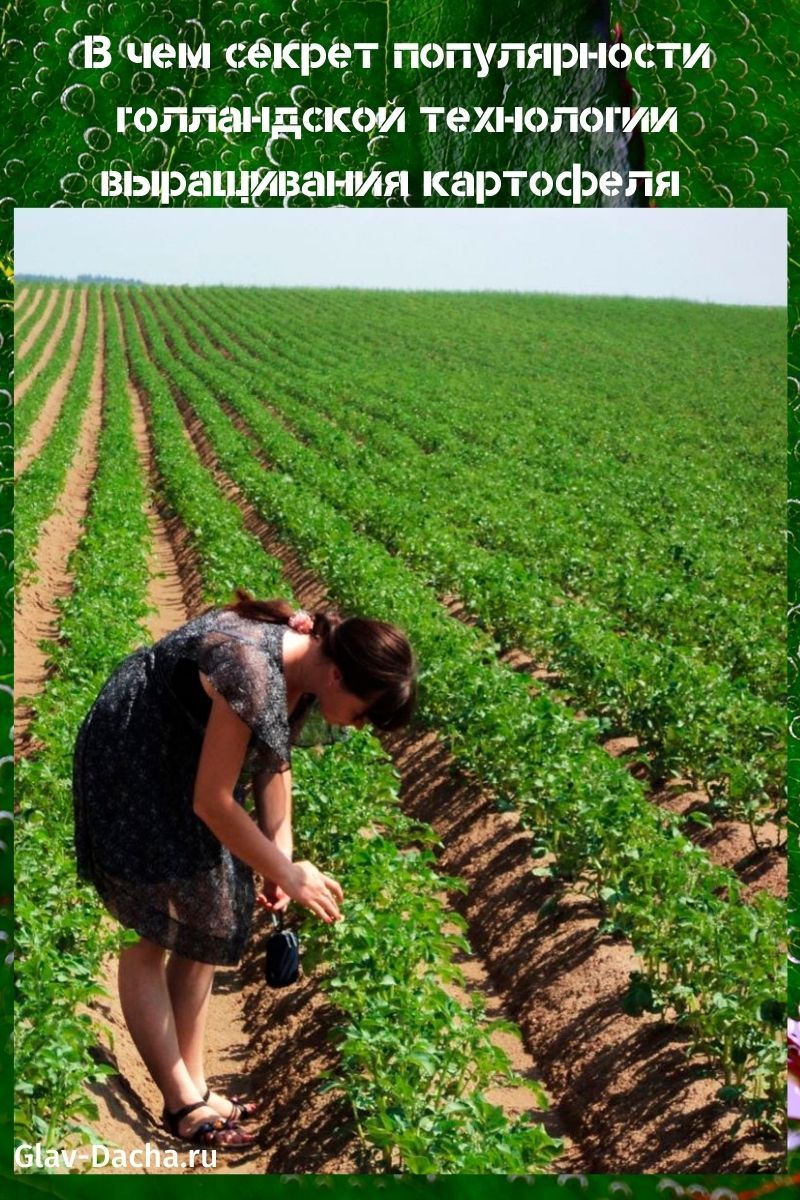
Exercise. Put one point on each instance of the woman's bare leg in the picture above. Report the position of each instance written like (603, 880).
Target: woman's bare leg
(147, 1008)
(189, 985)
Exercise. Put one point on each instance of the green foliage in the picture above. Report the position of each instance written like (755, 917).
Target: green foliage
(712, 959)
(415, 1061)
(38, 488)
(30, 404)
(600, 591)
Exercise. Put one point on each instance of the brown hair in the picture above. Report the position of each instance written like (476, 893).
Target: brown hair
(375, 658)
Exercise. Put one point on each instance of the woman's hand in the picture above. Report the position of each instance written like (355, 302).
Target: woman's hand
(315, 891)
(273, 898)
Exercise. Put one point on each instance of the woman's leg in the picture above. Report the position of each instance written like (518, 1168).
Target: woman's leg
(190, 985)
(147, 1007)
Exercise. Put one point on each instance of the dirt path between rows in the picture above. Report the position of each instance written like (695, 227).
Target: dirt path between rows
(41, 321)
(49, 347)
(22, 318)
(21, 297)
(626, 1093)
(35, 614)
(43, 425)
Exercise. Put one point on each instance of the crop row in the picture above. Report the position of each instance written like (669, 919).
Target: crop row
(688, 715)
(63, 299)
(710, 958)
(31, 404)
(422, 1103)
(588, 494)
(38, 488)
(35, 305)
(61, 937)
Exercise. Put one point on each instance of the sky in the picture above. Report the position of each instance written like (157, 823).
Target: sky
(728, 256)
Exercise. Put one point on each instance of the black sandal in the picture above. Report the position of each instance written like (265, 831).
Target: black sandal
(243, 1110)
(206, 1132)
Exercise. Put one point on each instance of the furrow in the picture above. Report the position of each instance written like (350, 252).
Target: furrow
(21, 386)
(21, 319)
(36, 613)
(32, 337)
(44, 423)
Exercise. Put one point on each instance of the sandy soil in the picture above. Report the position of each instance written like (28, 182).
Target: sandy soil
(21, 297)
(49, 347)
(43, 425)
(35, 614)
(41, 321)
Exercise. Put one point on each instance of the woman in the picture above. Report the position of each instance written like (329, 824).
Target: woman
(159, 825)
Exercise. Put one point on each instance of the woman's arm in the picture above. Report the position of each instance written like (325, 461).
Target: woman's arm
(273, 797)
(221, 758)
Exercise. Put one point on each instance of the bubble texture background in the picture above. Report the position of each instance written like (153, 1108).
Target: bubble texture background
(736, 146)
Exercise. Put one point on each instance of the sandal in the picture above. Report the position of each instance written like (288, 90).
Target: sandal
(242, 1110)
(206, 1133)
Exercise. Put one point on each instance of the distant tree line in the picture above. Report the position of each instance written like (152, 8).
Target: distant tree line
(79, 279)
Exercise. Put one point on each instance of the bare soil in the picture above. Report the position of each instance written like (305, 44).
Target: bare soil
(49, 347)
(45, 422)
(35, 613)
(20, 299)
(41, 321)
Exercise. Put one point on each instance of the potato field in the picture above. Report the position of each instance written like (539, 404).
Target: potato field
(564, 885)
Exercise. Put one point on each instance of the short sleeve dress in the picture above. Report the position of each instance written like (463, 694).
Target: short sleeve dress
(156, 866)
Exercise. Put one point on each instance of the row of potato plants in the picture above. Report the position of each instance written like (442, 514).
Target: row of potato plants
(61, 305)
(35, 308)
(31, 403)
(61, 936)
(689, 717)
(416, 1060)
(419, 1102)
(710, 959)
(38, 488)
(693, 559)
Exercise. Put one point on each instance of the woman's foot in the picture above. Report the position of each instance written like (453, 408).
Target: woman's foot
(202, 1124)
(231, 1108)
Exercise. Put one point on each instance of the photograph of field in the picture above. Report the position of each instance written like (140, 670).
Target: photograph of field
(565, 883)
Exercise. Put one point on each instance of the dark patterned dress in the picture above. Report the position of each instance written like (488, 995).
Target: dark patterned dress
(157, 867)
